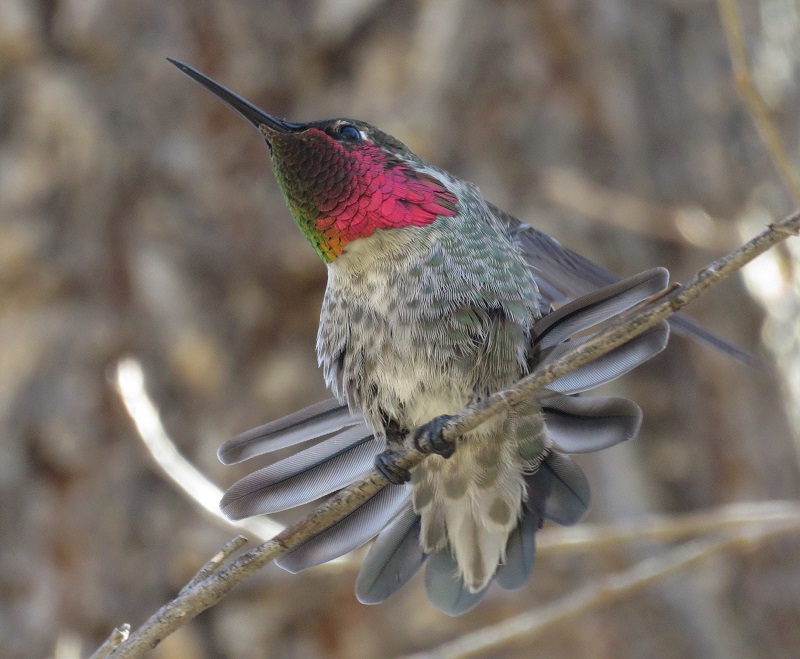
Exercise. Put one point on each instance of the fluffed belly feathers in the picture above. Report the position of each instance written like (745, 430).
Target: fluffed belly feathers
(411, 338)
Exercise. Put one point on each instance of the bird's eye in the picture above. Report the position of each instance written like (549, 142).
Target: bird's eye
(349, 132)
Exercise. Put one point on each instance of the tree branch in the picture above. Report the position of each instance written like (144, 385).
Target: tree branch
(211, 589)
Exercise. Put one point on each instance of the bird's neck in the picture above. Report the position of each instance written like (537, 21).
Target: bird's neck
(373, 195)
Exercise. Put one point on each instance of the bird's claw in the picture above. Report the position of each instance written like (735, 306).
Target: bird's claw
(428, 438)
(384, 463)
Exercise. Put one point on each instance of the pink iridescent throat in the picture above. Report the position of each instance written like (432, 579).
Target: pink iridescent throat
(340, 193)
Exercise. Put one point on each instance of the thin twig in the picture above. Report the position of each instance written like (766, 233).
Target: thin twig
(216, 561)
(602, 591)
(208, 592)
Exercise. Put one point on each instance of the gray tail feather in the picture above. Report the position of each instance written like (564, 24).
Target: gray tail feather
(611, 365)
(393, 559)
(305, 476)
(349, 533)
(520, 552)
(396, 556)
(590, 423)
(445, 587)
(313, 422)
(554, 334)
(558, 490)
(598, 306)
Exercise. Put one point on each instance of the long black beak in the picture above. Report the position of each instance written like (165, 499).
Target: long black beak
(249, 111)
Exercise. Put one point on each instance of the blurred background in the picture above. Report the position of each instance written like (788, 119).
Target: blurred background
(139, 216)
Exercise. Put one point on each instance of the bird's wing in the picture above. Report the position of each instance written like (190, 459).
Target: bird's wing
(563, 275)
(597, 306)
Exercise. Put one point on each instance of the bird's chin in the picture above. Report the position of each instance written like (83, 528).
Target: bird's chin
(265, 132)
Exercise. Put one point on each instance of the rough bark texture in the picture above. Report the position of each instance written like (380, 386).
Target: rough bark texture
(139, 216)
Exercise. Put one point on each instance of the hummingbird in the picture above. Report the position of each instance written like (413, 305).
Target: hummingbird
(435, 299)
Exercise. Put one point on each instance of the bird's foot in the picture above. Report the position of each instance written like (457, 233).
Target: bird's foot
(384, 463)
(428, 438)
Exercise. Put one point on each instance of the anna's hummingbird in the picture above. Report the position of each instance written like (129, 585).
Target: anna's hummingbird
(435, 298)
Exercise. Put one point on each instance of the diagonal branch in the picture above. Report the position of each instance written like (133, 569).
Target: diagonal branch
(219, 582)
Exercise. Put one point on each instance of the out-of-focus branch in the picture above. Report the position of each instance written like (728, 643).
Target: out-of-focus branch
(753, 100)
(604, 591)
(129, 382)
(191, 601)
(573, 192)
(666, 528)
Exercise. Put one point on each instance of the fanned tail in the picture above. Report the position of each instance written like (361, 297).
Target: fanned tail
(544, 483)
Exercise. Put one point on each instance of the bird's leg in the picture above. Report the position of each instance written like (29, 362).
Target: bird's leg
(428, 438)
(384, 462)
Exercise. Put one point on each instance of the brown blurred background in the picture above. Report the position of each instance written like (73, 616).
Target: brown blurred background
(139, 216)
